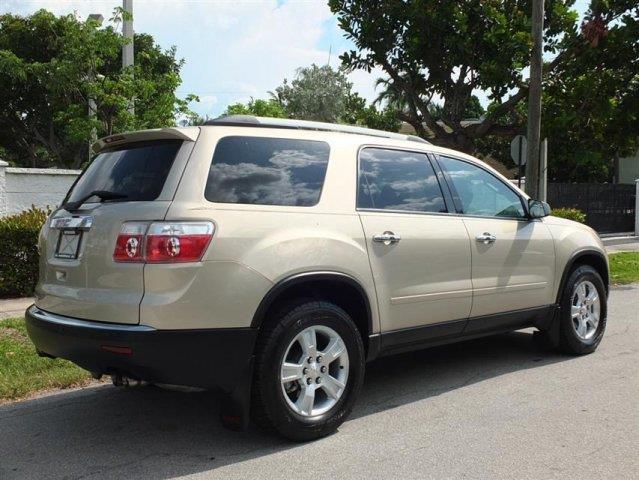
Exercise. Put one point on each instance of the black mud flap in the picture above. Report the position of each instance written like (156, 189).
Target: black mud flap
(548, 337)
(236, 405)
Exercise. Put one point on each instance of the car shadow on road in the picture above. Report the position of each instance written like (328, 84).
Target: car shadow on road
(149, 432)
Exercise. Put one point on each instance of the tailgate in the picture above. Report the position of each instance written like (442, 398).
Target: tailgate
(78, 276)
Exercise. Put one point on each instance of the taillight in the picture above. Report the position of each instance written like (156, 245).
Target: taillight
(169, 242)
(163, 242)
(130, 243)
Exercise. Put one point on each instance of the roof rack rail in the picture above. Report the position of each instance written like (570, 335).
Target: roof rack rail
(266, 122)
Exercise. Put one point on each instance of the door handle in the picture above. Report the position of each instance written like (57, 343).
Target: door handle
(387, 238)
(485, 238)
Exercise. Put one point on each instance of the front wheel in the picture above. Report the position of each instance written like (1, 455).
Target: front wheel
(309, 369)
(583, 312)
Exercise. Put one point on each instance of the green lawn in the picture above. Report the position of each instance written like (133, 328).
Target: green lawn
(22, 372)
(624, 267)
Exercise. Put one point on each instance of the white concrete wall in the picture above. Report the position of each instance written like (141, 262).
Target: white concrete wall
(628, 169)
(22, 187)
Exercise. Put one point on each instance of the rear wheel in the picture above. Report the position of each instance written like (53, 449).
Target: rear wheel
(309, 369)
(583, 312)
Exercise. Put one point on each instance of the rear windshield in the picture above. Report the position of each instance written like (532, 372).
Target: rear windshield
(136, 170)
(267, 171)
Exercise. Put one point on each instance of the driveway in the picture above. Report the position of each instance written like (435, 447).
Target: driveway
(490, 408)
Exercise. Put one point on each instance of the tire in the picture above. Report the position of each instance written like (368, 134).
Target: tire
(574, 338)
(281, 338)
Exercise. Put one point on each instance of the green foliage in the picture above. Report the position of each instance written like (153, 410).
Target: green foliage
(19, 254)
(445, 50)
(385, 119)
(570, 214)
(591, 108)
(316, 93)
(23, 372)
(261, 108)
(49, 69)
(322, 94)
(624, 267)
(358, 113)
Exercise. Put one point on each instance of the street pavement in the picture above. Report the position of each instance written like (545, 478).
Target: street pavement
(492, 408)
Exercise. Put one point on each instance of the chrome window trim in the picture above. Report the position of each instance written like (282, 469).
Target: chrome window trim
(448, 214)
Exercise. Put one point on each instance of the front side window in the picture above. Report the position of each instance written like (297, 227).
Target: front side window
(479, 192)
(267, 171)
(398, 180)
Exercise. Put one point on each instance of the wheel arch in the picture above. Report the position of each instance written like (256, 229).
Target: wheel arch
(343, 289)
(593, 258)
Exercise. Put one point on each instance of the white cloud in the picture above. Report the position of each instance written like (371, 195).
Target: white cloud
(234, 50)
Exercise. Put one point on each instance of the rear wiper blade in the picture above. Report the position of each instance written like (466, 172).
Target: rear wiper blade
(103, 195)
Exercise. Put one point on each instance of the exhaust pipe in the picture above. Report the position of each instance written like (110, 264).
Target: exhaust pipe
(120, 380)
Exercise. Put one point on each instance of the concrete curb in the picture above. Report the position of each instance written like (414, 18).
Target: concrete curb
(620, 240)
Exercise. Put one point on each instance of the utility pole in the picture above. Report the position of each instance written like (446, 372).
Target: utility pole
(534, 101)
(127, 32)
(98, 19)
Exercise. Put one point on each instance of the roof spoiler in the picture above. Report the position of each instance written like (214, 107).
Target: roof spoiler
(266, 122)
(187, 133)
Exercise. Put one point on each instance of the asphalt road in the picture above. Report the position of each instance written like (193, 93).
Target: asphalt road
(491, 408)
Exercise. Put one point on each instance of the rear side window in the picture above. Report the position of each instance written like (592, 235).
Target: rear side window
(137, 171)
(398, 180)
(267, 171)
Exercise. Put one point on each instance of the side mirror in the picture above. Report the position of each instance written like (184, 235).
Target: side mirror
(538, 209)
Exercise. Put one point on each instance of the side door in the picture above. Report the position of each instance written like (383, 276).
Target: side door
(513, 256)
(419, 254)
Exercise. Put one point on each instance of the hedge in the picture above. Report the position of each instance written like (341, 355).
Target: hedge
(570, 214)
(19, 253)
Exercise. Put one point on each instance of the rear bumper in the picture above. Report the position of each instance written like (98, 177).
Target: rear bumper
(206, 358)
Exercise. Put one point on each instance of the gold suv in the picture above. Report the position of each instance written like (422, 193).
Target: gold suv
(273, 258)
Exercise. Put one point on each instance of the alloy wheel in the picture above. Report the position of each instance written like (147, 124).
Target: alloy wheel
(585, 309)
(314, 371)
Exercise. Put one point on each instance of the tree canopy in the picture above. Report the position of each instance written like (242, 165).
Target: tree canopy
(438, 52)
(261, 108)
(317, 93)
(322, 94)
(50, 67)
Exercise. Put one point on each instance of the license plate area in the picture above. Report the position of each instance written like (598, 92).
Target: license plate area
(68, 245)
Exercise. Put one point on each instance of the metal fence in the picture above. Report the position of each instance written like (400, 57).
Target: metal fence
(609, 207)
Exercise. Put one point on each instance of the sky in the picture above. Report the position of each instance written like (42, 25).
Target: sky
(234, 49)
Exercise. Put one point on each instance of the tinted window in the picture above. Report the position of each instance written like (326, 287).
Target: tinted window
(137, 171)
(479, 192)
(397, 180)
(267, 171)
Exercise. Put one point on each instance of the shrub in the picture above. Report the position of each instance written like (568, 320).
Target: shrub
(19, 253)
(570, 214)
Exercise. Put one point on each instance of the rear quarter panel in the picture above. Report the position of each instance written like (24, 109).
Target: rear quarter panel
(256, 246)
